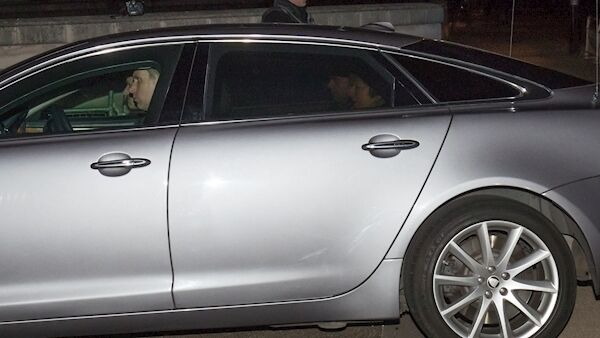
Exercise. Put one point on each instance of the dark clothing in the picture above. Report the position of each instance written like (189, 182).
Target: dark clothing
(286, 12)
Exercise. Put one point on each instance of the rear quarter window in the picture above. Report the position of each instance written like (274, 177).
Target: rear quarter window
(543, 76)
(447, 83)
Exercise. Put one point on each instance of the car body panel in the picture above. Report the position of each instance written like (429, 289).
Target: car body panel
(274, 212)
(531, 150)
(580, 201)
(79, 242)
(377, 298)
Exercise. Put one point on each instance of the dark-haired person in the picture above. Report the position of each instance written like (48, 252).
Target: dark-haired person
(339, 87)
(362, 95)
(288, 11)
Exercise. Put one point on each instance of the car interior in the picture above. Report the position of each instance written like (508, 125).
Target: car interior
(90, 101)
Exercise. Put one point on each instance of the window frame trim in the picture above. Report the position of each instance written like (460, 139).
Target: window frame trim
(181, 39)
(398, 112)
(98, 132)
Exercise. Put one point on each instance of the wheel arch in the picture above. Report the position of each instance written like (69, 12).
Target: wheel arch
(555, 213)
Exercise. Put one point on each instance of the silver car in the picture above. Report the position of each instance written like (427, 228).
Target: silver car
(230, 176)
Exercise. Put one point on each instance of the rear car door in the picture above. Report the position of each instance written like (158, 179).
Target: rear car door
(279, 191)
(84, 185)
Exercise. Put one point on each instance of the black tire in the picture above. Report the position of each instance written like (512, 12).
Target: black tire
(464, 223)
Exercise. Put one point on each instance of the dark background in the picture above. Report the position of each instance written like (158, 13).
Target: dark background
(36, 8)
(49, 8)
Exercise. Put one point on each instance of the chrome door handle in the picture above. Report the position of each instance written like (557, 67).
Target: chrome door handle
(118, 164)
(400, 144)
(131, 163)
(388, 145)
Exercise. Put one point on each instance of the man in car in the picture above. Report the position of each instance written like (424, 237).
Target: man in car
(128, 99)
(288, 11)
(362, 95)
(339, 87)
(140, 87)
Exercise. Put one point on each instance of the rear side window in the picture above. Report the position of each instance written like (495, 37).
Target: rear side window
(269, 80)
(270, 83)
(448, 83)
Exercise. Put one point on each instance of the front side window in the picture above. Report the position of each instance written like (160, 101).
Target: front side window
(107, 91)
(269, 80)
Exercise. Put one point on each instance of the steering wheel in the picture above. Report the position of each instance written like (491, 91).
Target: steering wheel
(3, 130)
(57, 122)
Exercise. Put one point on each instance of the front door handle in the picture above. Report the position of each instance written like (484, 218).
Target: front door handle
(387, 145)
(118, 164)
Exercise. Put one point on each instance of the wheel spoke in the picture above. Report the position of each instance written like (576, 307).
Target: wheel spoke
(531, 285)
(465, 301)
(465, 258)
(505, 285)
(503, 318)
(511, 242)
(482, 311)
(527, 310)
(527, 262)
(486, 247)
(455, 280)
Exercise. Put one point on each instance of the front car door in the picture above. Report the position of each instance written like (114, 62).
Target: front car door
(275, 194)
(84, 229)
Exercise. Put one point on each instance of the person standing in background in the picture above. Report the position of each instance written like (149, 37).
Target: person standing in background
(575, 36)
(288, 11)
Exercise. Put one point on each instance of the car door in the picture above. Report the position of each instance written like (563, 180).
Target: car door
(282, 192)
(84, 186)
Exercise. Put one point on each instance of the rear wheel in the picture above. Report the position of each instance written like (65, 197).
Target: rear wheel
(489, 267)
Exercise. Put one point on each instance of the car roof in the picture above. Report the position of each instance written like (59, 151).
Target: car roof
(284, 31)
(350, 35)
(364, 35)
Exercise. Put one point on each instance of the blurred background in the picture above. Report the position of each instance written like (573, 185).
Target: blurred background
(457, 8)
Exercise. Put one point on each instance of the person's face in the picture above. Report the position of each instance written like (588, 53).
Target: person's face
(339, 86)
(360, 94)
(128, 98)
(299, 3)
(141, 89)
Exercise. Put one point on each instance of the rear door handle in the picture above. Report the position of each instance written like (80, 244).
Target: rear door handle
(387, 145)
(400, 144)
(118, 164)
(131, 163)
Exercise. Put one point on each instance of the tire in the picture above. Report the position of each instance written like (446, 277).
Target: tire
(450, 279)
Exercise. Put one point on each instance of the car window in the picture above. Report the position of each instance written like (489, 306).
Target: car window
(268, 80)
(447, 83)
(546, 77)
(106, 91)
